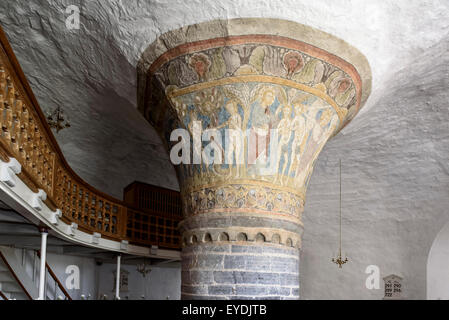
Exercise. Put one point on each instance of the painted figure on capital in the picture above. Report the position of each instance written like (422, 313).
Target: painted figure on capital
(261, 122)
(320, 128)
(298, 127)
(285, 128)
(235, 140)
(233, 150)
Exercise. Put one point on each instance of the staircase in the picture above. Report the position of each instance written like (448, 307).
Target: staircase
(19, 269)
(11, 287)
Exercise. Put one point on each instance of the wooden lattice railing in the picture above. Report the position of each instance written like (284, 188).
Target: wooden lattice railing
(159, 209)
(26, 136)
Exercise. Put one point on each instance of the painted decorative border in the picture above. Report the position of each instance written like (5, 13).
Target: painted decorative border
(254, 198)
(197, 52)
(260, 39)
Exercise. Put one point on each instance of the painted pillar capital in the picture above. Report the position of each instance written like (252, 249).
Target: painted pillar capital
(280, 89)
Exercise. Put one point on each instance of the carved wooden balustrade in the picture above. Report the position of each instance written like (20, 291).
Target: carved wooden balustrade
(26, 136)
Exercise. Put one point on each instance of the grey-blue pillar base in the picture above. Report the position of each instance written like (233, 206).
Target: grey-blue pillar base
(240, 270)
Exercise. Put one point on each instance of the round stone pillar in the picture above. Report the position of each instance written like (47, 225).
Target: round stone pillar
(245, 106)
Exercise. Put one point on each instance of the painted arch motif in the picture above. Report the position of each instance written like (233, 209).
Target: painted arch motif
(303, 121)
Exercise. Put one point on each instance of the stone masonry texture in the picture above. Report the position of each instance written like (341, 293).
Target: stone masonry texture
(240, 271)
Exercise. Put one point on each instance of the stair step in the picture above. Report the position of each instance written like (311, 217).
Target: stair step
(6, 276)
(11, 287)
(18, 296)
(2, 266)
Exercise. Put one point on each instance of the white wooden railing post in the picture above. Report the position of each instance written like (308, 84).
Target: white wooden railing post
(43, 269)
(117, 279)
